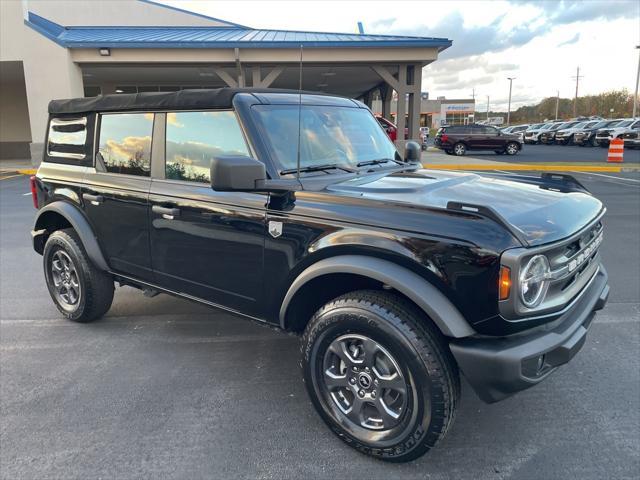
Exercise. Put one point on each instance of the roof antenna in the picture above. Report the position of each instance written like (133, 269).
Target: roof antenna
(299, 115)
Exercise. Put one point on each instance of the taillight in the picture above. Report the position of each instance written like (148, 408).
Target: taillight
(444, 137)
(504, 283)
(34, 191)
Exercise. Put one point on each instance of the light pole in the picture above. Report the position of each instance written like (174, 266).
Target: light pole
(511, 79)
(557, 103)
(487, 108)
(635, 96)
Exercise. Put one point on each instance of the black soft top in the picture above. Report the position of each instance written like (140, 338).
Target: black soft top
(181, 100)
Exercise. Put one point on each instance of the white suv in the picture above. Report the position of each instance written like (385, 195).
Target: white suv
(532, 134)
(605, 135)
(565, 136)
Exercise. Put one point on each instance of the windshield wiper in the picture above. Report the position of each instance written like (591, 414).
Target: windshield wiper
(378, 161)
(318, 168)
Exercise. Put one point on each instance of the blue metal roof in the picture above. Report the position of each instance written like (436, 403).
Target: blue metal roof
(216, 37)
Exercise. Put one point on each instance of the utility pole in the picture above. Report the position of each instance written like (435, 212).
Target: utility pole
(557, 103)
(635, 96)
(487, 108)
(575, 99)
(511, 79)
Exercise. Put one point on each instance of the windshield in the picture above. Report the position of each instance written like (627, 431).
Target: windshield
(330, 135)
(558, 126)
(589, 125)
(626, 123)
(547, 126)
(535, 127)
(615, 123)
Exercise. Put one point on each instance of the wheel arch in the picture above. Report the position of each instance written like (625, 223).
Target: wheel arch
(361, 272)
(58, 215)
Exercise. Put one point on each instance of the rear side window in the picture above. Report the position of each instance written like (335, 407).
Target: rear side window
(194, 138)
(67, 138)
(125, 143)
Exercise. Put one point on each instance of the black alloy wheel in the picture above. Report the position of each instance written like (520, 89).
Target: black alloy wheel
(80, 291)
(380, 375)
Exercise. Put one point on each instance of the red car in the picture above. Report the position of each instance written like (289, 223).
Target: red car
(391, 129)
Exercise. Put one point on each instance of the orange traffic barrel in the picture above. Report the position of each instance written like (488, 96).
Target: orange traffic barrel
(616, 150)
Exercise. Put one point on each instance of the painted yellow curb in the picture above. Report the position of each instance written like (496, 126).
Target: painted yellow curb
(505, 167)
(27, 171)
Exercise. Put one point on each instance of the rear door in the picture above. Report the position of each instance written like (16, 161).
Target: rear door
(115, 197)
(204, 243)
(477, 137)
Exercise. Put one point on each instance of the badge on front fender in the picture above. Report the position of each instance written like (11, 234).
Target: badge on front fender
(275, 229)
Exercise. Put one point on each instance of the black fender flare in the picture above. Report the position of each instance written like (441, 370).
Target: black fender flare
(428, 298)
(80, 224)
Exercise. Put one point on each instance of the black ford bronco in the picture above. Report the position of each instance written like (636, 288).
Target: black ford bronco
(295, 209)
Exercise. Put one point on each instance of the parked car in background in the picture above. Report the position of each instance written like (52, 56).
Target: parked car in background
(605, 135)
(587, 136)
(548, 137)
(631, 137)
(424, 137)
(391, 128)
(532, 134)
(457, 139)
(565, 136)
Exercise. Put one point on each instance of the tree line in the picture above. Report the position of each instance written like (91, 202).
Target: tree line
(612, 104)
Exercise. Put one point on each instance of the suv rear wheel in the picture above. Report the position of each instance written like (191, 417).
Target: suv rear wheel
(459, 149)
(81, 292)
(511, 148)
(380, 375)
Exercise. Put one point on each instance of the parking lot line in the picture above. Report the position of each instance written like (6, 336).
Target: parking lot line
(617, 178)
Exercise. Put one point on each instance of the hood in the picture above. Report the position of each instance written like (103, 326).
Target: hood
(541, 215)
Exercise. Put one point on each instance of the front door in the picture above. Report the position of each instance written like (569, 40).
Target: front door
(206, 244)
(115, 198)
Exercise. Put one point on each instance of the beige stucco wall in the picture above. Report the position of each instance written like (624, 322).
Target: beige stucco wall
(49, 71)
(278, 56)
(114, 12)
(14, 115)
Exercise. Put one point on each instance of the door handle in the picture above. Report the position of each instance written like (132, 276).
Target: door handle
(167, 213)
(94, 199)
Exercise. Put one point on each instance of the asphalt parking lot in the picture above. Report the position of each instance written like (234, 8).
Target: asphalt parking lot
(165, 388)
(569, 154)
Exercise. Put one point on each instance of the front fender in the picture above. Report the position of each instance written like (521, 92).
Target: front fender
(79, 223)
(433, 302)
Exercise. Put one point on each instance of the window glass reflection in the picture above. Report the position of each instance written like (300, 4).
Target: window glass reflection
(125, 143)
(194, 138)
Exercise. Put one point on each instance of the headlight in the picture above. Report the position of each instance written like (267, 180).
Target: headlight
(534, 281)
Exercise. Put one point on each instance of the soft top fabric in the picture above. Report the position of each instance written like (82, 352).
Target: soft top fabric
(148, 101)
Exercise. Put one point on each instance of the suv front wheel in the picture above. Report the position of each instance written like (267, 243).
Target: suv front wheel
(380, 375)
(81, 292)
(511, 148)
(459, 149)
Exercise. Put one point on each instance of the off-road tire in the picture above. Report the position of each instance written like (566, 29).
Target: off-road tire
(96, 286)
(421, 352)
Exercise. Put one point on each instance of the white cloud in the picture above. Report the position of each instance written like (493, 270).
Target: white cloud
(540, 43)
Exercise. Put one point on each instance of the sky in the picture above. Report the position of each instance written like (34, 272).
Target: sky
(540, 43)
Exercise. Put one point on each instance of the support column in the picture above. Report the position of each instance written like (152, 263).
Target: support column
(415, 100)
(386, 94)
(255, 76)
(401, 109)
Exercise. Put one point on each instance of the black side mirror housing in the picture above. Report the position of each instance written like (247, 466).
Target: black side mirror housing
(412, 151)
(239, 173)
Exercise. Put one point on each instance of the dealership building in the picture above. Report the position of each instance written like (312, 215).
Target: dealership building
(435, 113)
(66, 48)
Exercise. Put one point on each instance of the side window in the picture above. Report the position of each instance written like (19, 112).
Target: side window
(194, 138)
(67, 137)
(125, 143)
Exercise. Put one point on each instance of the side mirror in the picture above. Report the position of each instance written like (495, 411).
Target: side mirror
(412, 151)
(239, 173)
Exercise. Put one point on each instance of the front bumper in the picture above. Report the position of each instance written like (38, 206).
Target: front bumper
(631, 142)
(499, 367)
